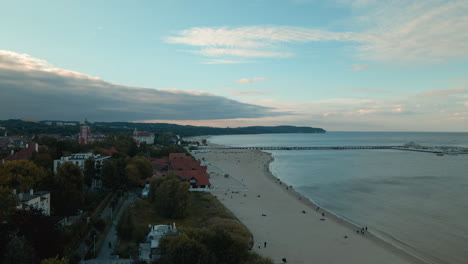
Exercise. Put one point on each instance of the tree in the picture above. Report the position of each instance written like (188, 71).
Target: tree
(183, 250)
(144, 166)
(172, 197)
(55, 260)
(133, 175)
(69, 197)
(19, 251)
(43, 159)
(8, 203)
(125, 226)
(21, 174)
(108, 170)
(89, 171)
(41, 231)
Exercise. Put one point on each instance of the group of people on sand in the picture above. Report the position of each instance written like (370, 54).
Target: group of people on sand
(364, 229)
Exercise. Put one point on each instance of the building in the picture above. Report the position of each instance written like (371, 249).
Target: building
(85, 135)
(186, 167)
(25, 153)
(143, 136)
(37, 200)
(79, 160)
(149, 250)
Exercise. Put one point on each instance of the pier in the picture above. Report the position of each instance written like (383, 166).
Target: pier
(434, 150)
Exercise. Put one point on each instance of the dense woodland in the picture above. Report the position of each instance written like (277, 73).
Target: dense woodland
(18, 127)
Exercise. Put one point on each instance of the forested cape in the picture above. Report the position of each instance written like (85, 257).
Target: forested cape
(20, 127)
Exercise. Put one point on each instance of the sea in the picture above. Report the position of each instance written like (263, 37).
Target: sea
(416, 201)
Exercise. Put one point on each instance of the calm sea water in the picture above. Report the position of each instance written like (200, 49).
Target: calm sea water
(417, 201)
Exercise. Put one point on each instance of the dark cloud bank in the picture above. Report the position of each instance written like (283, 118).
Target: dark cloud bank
(52, 93)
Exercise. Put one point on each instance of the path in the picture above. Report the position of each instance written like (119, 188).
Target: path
(111, 237)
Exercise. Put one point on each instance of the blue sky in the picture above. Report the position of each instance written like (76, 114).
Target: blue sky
(341, 65)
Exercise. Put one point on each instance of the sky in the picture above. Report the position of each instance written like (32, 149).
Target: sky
(343, 65)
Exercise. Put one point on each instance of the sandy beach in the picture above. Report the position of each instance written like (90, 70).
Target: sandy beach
(290, 225)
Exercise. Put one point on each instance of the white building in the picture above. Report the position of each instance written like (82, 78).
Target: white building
(79, 160)
(37, 200)
(149, 251)
(142, 136)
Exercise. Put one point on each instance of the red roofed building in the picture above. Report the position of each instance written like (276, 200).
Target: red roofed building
(25, 153)
(184, 166)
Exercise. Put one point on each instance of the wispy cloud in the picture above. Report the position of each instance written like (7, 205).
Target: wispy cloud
(395, 31)
(247, 81)
(219, 61)
(359, 67)
(250, 93)
(367, 90)
(28, 84)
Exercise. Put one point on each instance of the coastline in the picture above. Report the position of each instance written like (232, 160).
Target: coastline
(413, 258)
(254, 167)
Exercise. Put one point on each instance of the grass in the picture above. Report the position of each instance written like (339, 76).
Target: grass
(205, 211)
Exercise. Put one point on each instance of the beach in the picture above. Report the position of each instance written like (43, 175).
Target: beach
(291, 225)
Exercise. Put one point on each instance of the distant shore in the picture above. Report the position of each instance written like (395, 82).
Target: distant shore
(287, 221)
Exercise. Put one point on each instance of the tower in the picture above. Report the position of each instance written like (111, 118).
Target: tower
(85, 135)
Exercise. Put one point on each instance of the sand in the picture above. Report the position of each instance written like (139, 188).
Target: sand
(289, 223)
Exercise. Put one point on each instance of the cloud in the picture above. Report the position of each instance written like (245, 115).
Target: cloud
(446, 92)
(253, 93)
(391, 31)
(216, 52)
(359, 67)
(33, 88)
(217, 61)
(256, 79)
(367, 90)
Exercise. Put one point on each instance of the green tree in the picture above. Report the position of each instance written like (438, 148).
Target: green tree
(183, 250)
(21, 175)
(55, 260)
(108, 177)
(126, 225)
(19, 251)
(89, 171)
(43, 159)
(144, 166)
(8, 203)
(69, 197)
(172, 197)
(133, 175)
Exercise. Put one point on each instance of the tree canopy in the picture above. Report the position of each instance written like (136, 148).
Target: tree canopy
(171, 197)
(21, 175)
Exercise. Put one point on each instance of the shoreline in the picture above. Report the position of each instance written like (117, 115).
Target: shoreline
(380, 250)
(342, 221)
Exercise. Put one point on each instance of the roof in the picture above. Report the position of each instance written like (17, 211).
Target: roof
(184, 164)
(27, 196)
(25, 153)
(178, 156)
(202, 177)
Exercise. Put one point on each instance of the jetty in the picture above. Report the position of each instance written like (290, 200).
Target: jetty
(435, 150)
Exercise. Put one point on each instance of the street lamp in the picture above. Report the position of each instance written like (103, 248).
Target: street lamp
(94, 244)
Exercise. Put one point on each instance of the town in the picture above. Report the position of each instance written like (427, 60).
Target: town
(92, 197)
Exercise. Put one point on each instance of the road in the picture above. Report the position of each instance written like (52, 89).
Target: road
(111, 237)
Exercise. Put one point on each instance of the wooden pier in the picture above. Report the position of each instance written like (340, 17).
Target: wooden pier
(309, 147)
(402, 148)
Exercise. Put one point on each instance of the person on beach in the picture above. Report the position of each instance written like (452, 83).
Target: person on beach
(259, 245)
(264, 244)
